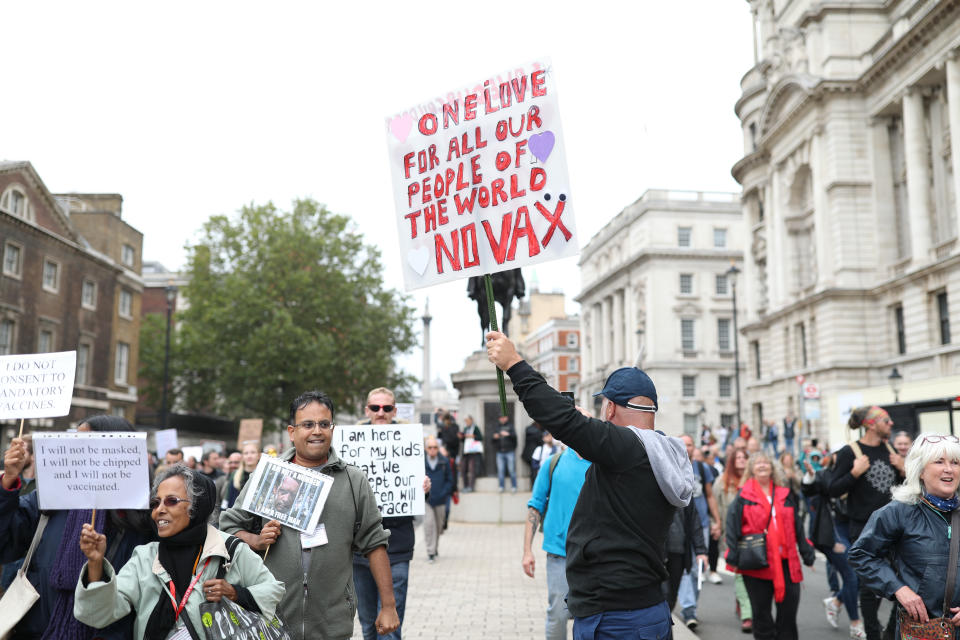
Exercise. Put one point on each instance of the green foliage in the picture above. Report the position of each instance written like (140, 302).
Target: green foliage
(282, 302)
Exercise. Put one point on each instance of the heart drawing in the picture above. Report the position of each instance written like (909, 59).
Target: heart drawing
(541, 144)
(401, 125)
(418, 259)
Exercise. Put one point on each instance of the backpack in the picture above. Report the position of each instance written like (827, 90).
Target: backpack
(546, 505)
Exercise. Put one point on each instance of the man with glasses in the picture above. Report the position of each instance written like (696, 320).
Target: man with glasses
(316, 567)
(381, 409)
(437, 468)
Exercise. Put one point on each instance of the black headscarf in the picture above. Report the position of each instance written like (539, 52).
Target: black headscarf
(178, 554)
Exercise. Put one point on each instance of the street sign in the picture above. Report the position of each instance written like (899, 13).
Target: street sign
(811, 391)
(800, 379)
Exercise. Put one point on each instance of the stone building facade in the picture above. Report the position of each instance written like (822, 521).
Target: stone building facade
(655, 293)
(850, 201)
(553, 349)
(70, 280)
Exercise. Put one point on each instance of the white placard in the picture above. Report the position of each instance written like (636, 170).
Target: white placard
(92, 470)
(286, 492)
(37, 385)
(166, 440)
(194, 452)
(406, 412)
(391, 456)
(480, 179)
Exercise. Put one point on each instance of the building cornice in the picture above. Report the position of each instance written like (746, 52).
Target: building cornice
(68, 243)
(26, 168)
(748, 162)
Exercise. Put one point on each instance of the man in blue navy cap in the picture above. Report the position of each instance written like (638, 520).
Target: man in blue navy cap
(639, 477)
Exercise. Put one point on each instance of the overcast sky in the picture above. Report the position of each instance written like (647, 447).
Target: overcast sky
(189, 110)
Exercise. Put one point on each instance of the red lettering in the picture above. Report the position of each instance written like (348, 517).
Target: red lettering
(407, 164)
(412, 217)
(451, 112)
(441, 249)
(453, 148)
(515, 190)
(538, 179)
(412, 190)
(470, 107)
(483, 197)
(501, 130)
(426, 190)
(520, 151)
(519, 129)
(442, 209)
(429, 218)
(504, 94)
(464, 203)
(475, 170)
(499, 249)
(533, 115)
(428, 124)
(466, 145)
(519, 90)
(460, 183)
(533, 247)
(554, 220)
(502, 160)
(478, 140)
(438, 186)
(536, 84)
(488, 107)
(496, 189)
(469, 236)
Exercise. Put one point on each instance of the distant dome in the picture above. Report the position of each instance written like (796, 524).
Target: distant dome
(439, 384)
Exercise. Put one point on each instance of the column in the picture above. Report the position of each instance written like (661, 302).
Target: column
(883, 196)
(596, 361)
(607, 357)
(953, 115)
(918, 176)
(617, 326)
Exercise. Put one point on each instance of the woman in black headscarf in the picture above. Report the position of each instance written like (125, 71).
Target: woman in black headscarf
(166, 581)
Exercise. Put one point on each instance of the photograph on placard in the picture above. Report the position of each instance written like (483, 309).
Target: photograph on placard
(287, 493)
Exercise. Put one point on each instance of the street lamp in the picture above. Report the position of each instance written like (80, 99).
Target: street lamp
(896, 383)
(732, 273)
(171, 292)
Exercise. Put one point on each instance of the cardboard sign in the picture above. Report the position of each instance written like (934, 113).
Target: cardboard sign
(286, 492)
(38, 385)
(480, 179)
(92, 470)
(406, 412)
(251, 430)
(391, 455)
(166, 440)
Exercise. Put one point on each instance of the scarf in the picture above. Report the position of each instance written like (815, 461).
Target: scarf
(64, 576)
(179, 554)
(940, 504)
(776, 542)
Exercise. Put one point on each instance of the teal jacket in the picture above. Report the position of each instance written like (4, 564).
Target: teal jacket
(141, 581)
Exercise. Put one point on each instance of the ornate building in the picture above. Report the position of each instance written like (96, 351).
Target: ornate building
(850, 202)
(656, 293)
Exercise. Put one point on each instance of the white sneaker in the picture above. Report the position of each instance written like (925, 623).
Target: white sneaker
(833, 612)
(715, 578)
(857, 632)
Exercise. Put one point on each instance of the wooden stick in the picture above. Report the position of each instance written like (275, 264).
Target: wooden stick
(488, 283)
(93, 519)
(21, 429)
(267, 552)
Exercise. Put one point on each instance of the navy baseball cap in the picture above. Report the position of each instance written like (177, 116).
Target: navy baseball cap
(626, 383)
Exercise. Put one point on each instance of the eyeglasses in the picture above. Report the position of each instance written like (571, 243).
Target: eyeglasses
(933, 439)
(387, 408)
(168, 501)
(310, 425)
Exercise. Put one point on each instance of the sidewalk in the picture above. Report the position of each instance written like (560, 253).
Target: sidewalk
(477, 590)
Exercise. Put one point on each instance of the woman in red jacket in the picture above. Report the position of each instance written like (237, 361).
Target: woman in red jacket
(765, 505)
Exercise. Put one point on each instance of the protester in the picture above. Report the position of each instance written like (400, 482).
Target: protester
(866, 471)
(902, 442)
(771, 438)
(685, 548)
(637, 481)
(232, 462)
(505, 439)
(229, 486)
(472, 459)
(557, 485)
(188, 554)
(915, 529)
(318, 574)
(725, 489)
(532, 438)
(449, 434)
(765, 505)
(789, 432)
(210, 464)
(57, 560)
(438, 470)
(548, 447)
(28, 483)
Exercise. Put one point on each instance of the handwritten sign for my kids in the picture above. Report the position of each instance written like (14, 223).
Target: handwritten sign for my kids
(286, 492)
(392, 457)
(480, 179)
(37, 385)
(93, 470)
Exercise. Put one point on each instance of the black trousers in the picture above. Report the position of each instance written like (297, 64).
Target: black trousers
(713, 553)
(674, 574)
(761, 600)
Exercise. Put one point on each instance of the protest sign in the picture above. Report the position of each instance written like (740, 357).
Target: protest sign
(480, 179)
(37, 385)
(392, 457)
(288, 493)
(406, 412)
(92, 470)
(192, 451)
(166, 440)
(251, 430)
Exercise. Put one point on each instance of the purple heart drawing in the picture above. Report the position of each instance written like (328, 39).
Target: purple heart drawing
(541, 144)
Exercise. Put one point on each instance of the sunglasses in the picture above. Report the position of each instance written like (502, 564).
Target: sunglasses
(933, 439)
(387, 408)
(168, 501)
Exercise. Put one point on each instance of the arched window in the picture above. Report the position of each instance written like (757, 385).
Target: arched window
(14, 201)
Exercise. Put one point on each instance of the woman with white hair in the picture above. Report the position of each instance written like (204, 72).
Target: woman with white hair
(916, 525)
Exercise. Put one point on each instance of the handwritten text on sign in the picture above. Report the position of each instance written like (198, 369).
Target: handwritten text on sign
(480, 180)
(392, 457)
(92, 470)
(38, 385)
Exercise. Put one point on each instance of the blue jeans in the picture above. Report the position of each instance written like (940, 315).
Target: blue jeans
(688, 594)
(652, 623)
(557, 612)
(848, 592)
(368, 598)
(507, 460)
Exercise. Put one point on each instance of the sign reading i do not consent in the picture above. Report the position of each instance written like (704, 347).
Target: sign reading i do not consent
(37, 385)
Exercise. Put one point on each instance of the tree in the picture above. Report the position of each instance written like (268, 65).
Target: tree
(280, 303)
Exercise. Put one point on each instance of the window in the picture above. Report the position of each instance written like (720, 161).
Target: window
(12, 260)
(15, 201)
(683, 236)
(7, 328)
(720, 238)
(723, 287)
(83, 363)
(126, 304)
(120, 412)
(901, 330)
(691, 424)
(88, 295)
(728, 419)
(801, 334)
(723, 334)
(686, 283)
(573, 364)
(724, 385)
(689, 386)
(573, 339)
(943, 315)
(45, 341)
(755, 349)
(127, 255)
(51, 276)
(122, 363)
(686, 335)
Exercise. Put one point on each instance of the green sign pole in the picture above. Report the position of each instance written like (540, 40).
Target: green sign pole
(488, 283)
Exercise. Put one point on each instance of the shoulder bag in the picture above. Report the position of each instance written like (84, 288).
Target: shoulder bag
(752, 548)
(21, 595)
(936, 628)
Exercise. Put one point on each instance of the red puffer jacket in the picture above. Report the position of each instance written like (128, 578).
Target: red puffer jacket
(750, 513)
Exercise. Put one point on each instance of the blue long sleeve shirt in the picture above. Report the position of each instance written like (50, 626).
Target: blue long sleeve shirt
(564, 489)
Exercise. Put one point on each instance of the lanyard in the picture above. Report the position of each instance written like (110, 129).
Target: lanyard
(186, 596)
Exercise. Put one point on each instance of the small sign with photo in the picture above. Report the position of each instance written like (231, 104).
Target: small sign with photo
(288, 493)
